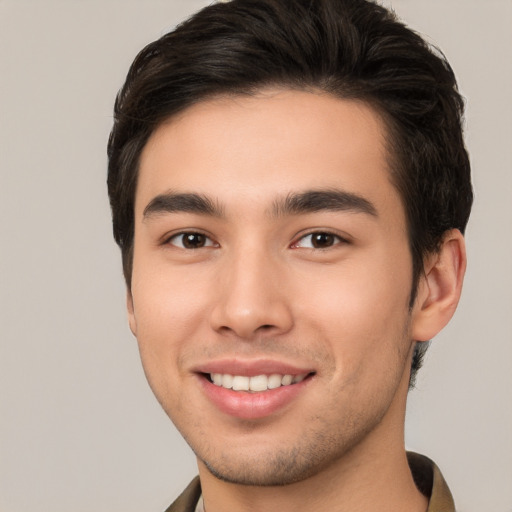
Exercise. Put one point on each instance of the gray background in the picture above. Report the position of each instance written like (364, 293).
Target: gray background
(79, 427)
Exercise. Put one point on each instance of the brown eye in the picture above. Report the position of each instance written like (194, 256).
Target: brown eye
(319, 240)
(191, 240)
(322, 240)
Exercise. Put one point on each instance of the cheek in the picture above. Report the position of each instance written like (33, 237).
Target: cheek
(169, 310)
(360, 311)
(166, 298)
(358, 293)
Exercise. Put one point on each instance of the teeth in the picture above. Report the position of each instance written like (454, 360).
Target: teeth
(227, 381)
(256, 383)
(240, 383)
(275, 381)
(287, 380)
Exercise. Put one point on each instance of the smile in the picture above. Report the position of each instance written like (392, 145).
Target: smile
(257, 383)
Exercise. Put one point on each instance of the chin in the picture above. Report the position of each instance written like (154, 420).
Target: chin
(279, 467)
(273, 473)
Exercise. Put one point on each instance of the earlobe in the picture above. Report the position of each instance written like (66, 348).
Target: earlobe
(440, 287)
(131, 312)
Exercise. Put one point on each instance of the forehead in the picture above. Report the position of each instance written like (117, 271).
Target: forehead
(256, 147)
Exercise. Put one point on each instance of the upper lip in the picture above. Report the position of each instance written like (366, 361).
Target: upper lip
(251, 368)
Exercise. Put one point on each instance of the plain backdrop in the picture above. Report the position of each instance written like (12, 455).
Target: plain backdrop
(79, 427)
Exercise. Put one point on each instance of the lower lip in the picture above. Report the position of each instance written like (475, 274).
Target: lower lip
(244, 405)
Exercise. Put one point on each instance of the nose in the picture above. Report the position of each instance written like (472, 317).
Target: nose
(252, 299)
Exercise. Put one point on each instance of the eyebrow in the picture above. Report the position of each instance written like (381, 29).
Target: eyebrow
(298, 203)
(323, 200)
(183, 202)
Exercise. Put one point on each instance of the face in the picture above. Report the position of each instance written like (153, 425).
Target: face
(271, 282)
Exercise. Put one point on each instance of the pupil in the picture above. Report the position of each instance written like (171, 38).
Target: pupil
(193, 240)
(322, 240)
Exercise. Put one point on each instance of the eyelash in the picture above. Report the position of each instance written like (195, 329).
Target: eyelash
(208, 242)
(335, 238)
(183, 234)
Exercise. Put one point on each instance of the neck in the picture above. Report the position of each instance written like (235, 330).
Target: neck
(373, 476)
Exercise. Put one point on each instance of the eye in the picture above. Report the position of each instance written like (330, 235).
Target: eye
(191, 240)
(319, 240)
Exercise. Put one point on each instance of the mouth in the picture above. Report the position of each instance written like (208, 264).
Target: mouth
(253, 390)
(256, 383)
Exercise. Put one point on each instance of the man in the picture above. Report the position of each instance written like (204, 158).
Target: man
(289, 188)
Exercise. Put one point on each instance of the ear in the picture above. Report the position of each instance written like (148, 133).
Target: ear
(439, 288)
(131, 312)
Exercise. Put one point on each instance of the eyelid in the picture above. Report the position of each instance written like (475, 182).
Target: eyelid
(168, 237)
(341, 238)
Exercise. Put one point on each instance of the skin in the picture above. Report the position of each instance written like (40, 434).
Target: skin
(259, 287)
